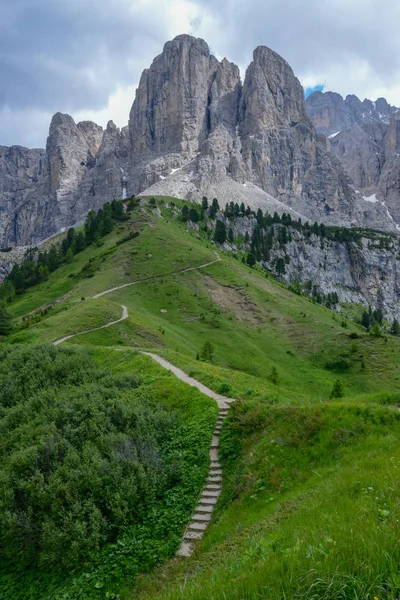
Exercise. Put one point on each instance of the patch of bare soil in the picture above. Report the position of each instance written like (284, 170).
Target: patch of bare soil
(234, 300)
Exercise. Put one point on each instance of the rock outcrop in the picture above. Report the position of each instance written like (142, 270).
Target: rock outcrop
(44, 191)
(331, 113)
(365, 270)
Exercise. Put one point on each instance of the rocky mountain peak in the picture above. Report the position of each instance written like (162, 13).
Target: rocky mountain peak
(272, 95)
(170, 112)
(93, 134)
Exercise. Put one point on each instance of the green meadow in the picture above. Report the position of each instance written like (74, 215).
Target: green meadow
(310, 499)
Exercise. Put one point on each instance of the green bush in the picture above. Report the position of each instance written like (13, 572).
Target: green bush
(339, 364)
(84, 456)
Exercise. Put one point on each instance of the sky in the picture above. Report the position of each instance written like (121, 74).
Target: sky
(85, 57)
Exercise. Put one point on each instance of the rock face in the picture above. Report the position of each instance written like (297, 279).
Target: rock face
(43, 191)
(251, 143)
(365, 138)
(360, 273)
(194, 130)
(24, 176)
(366, 271)
(331, 113)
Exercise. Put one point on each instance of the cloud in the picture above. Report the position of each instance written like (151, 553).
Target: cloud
(351, 46)
(85, 57)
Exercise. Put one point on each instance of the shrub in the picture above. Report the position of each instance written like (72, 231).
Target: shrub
(224, 389)
(337, 390)
(339, 364)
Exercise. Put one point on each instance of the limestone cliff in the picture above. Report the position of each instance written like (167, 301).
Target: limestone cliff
(365, 270)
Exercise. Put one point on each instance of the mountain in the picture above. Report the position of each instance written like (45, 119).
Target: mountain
(194, 129)
(365, 136)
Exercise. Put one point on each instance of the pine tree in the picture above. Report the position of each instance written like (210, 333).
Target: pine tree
(251, 260)
(185, 213)
(280, 266)
(214, 208)
(395, 330)
(220, 232)
(193, 215)
(207, 352)
(337, 390)
(274, 376)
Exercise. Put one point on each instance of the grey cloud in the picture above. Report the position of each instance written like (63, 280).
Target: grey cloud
(69, 55)
(312, 34)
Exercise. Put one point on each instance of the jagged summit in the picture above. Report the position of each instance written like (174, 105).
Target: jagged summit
(365, 136)
(331, 113)
(194, 129)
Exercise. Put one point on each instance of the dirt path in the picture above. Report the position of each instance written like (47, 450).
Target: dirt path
(212, 489)
(222, 401)
(124, 285)
(68, 337)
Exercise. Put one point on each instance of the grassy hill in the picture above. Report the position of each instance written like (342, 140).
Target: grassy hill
(309, 507)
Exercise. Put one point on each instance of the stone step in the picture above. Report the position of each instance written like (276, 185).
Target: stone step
(197, 526)
(205, 517)
(215, 472)
(213, 454)
(207, 501)
(214, 479)
(215, 464)
(210, 493)
(204, 508)
(193, 535)
(212, 486)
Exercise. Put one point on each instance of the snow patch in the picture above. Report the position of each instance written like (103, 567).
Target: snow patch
(330, 137)
(372, 198)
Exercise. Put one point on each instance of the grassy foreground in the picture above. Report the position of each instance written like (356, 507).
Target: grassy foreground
(309, 507)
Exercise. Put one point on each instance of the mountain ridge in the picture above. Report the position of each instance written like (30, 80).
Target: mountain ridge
(195, 129)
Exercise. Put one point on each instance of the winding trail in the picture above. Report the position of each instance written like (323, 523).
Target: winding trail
(125, 315)
(124, 285)
(212, 489)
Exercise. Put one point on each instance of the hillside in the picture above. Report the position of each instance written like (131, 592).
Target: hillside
(312, 433)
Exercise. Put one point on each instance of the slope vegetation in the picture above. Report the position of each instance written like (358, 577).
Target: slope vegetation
(309, 502)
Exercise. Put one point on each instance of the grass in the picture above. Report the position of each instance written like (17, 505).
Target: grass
(309, 507)
(68, 320)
